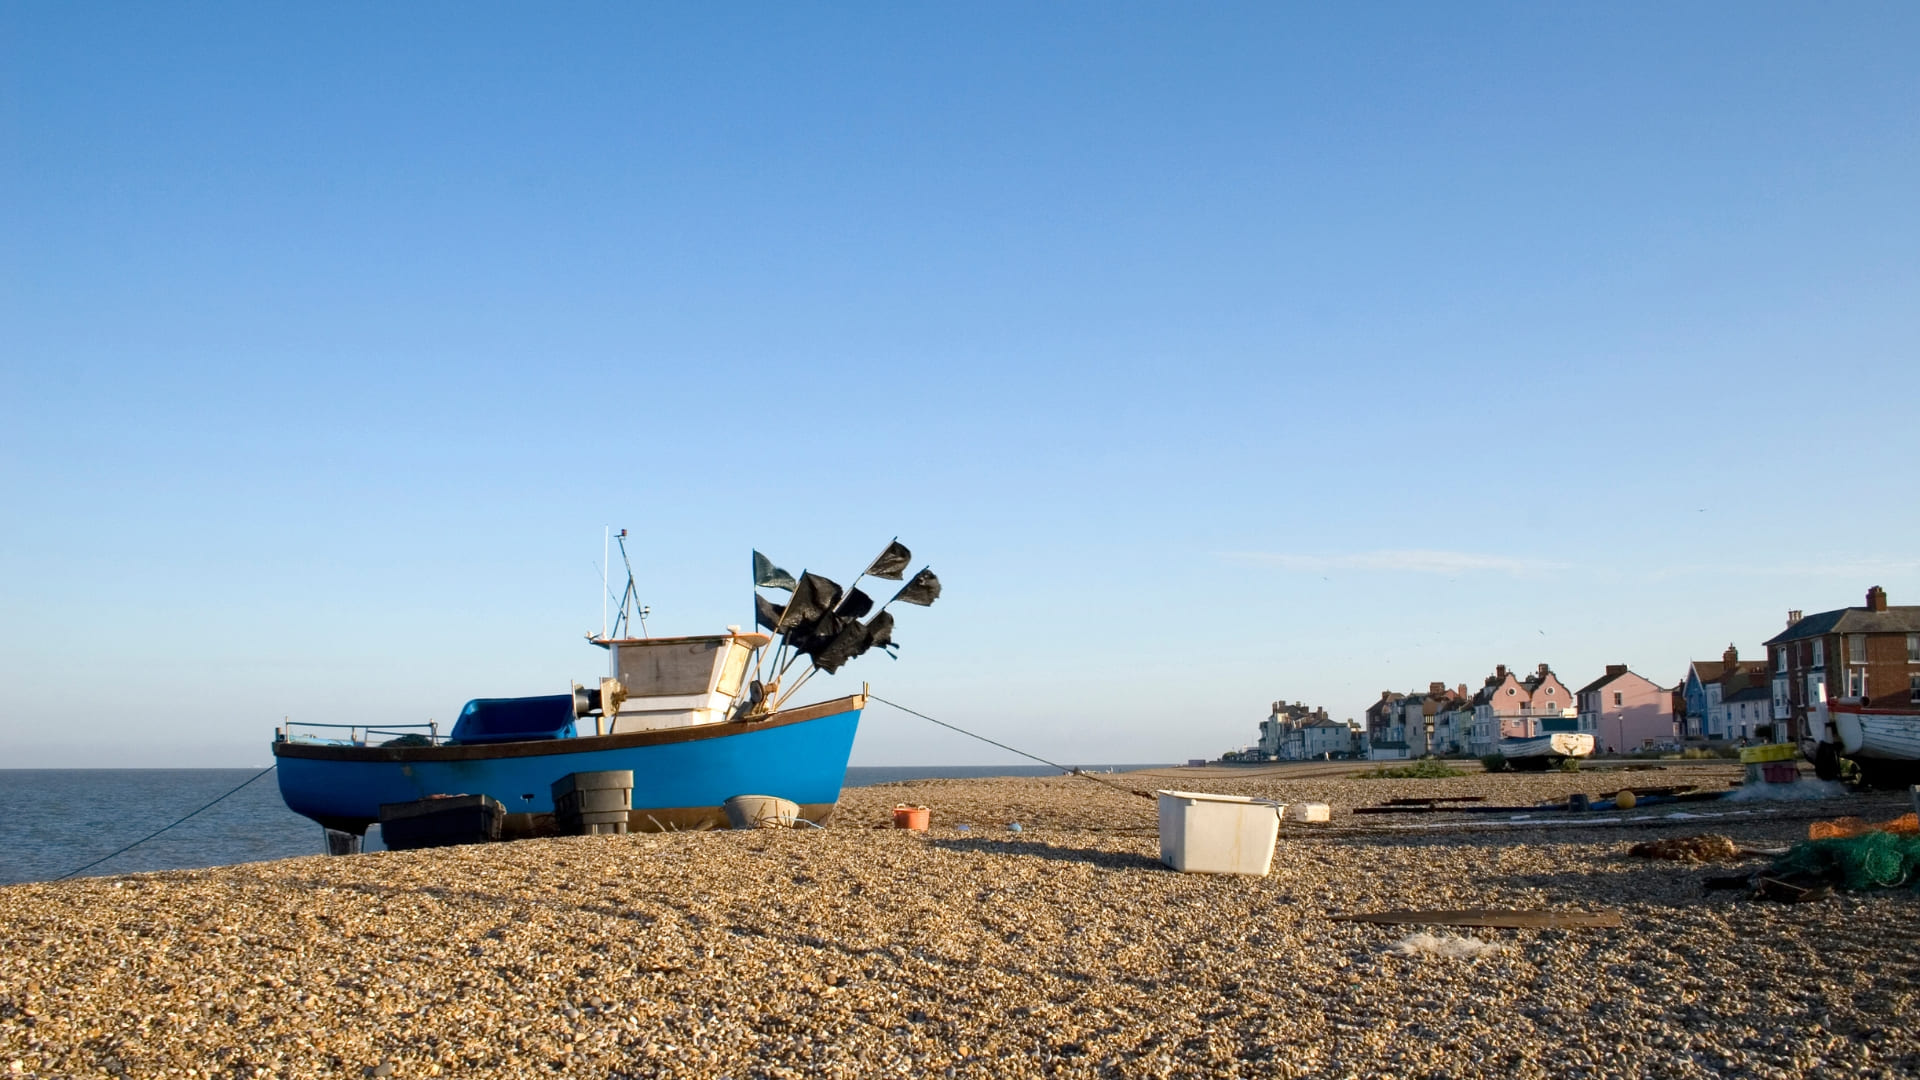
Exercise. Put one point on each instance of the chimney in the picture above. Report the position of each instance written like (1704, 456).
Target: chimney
(1876, 599)
(1436, 688)
(1500, 671)
(1386, 695)
(1793, 616)
(1616, 670)
(1731, 656)
(1543, 671)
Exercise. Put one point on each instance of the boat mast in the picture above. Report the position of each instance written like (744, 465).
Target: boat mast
(631, 609)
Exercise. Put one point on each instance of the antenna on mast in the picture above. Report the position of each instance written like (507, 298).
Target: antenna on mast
(606, 588)
(631, 609)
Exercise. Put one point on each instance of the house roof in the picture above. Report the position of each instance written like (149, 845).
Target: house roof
(1751, 693)
(1612, 675)
(1534, 681)
(1852, 620)
(1716, 671)
(1600, 682)
(1709, 670)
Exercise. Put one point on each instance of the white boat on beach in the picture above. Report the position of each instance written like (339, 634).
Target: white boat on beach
(1546, 749)
(1878, 740)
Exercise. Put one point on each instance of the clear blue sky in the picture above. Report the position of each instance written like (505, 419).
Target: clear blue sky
(1212, 355)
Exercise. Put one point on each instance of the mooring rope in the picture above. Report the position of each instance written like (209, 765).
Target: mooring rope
(167, 826)
(1070, 770)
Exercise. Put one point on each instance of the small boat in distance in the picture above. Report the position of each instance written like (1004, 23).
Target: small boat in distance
(1546, 749)
(1885, 743)
(697, 720)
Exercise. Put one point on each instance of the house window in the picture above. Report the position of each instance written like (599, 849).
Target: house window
(1616, 697)
(1819, 653)
(1780, 656)
(1913, 648)
(1856, 682)
(1856, 648)
(1913, 689)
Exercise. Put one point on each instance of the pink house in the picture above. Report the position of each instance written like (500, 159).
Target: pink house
(1509, 707)
(1625, 711)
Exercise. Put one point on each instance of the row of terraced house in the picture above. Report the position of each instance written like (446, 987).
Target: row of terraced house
(1870, 653)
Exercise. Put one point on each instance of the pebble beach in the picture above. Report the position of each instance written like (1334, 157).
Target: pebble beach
(1062, 949)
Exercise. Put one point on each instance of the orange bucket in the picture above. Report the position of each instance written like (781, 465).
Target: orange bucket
(910, 817)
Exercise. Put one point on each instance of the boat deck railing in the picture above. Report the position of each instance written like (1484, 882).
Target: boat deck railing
(359, 734)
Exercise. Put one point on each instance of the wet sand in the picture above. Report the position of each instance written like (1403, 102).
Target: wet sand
(1065, 949)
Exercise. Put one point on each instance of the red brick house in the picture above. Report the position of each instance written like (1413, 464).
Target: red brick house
(1868, 655)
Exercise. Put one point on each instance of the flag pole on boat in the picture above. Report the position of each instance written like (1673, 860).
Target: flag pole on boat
(890, 564)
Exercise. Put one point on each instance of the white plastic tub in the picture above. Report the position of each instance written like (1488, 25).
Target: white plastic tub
(1218, 834)
(1313, 812)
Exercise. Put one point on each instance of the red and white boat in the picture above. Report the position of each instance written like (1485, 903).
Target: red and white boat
(1883, 742)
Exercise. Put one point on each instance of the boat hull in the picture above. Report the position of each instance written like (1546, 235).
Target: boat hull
(1542, 750)
(682, 777)
(1880, 734)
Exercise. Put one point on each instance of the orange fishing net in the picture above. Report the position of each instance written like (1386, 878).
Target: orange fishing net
(1840, 828)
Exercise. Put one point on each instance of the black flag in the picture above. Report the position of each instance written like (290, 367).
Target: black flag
(813, 596)
(850, 642)
(853, 640)
(766, 612)
(923, 590)
(768, 576)
(892, 563)
(811, 637)
(880, 632)
(856, 605)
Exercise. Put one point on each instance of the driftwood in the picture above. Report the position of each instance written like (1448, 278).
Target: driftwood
(1652, 792)
(1789, 892)
(1476, 808)
(1494, 917)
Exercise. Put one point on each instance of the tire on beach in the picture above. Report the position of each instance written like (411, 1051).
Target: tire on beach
(1876, 774)
(1826, 762)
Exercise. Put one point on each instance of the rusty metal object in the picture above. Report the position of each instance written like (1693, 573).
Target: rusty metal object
(1493, 917)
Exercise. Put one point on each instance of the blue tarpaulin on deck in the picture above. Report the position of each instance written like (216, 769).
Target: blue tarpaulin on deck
(491, 720)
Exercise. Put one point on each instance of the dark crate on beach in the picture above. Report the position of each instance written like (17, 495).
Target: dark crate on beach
(441, 822)
(585, 803)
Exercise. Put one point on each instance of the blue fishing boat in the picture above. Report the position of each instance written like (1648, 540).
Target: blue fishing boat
(691, 717)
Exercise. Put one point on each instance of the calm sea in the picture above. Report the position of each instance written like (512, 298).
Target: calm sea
(53, 821)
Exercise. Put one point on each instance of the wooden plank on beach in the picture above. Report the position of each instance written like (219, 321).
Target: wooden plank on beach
(1669, 791)
(1459, 809)
(1493, 917)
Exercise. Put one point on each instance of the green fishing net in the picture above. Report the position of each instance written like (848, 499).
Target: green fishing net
(1875, 860)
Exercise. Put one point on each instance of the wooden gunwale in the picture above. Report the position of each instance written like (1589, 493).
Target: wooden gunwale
(580, 745)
